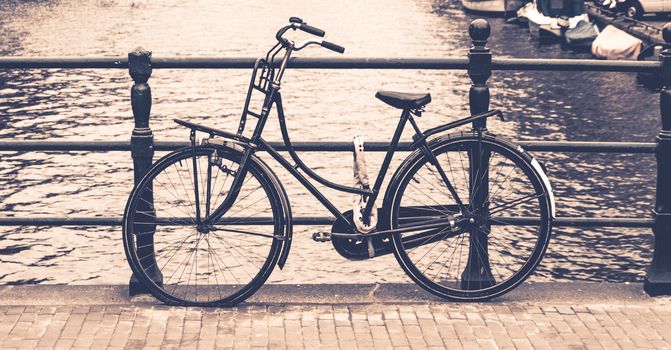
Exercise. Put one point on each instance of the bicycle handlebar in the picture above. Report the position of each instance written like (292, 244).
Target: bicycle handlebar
(312, 30)
(297, 23)
(333, 47)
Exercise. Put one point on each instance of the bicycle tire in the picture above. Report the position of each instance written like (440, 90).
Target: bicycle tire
(230, 252)
(495, 258)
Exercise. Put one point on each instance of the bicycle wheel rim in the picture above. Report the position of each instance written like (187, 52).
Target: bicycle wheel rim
(221, 267)
(506, 267)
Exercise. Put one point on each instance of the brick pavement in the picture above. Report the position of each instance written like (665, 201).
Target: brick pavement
(503, 325)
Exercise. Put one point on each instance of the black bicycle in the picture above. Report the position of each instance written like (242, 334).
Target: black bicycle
(468, 215)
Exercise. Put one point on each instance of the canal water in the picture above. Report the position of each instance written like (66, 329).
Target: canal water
(322, 105)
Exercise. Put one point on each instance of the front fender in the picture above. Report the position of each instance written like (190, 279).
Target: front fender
(286, 217)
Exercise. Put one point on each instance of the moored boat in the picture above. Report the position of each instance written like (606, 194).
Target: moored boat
(615, 44)
(542, 28)
(581, 36)
(493, 6)
(549, 24)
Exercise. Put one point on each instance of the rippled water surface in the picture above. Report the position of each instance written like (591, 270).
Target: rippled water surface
(322, 105)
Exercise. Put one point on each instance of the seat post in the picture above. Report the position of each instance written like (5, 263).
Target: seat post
(418, 132)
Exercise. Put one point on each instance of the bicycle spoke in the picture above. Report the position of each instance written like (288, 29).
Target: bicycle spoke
(174, 251)
(514, 203)
(233, 248)
(211, 260)
(482, 177)
(449, 245)
(186, 192)
(428, 251)
(153, 204)
(167, 175)
(447, 211)
(184, 208)
(243, 231)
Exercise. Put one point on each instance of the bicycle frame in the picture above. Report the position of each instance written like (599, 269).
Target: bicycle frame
(371, 193)
(256, 142)
(269, 84)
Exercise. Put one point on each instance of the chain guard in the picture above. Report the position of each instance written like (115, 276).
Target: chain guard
(356, 249)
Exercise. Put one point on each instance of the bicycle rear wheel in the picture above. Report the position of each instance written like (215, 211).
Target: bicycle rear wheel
(183, 263)
(511, 228)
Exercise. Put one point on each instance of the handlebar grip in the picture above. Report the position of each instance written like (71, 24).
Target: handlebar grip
(312, 30)
(333, 47)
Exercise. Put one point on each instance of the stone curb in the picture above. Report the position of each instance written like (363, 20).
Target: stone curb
(557, 293)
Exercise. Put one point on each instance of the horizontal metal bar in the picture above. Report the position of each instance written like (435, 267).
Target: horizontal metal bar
(63, 62)
(316, 63)
(337, 146)
(603, 222)
(235, 63)
(458, 63)
(118, 221)
(105, 146)
(578, 222)
(57, 221)
(341, 146)
(319, 220)
(534, 64)
(588, 146)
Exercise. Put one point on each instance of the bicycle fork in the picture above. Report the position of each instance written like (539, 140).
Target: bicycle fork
(203, 222)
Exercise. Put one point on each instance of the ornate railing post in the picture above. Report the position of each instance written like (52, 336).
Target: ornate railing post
(142, 151)
(658, 277)
(477, 273)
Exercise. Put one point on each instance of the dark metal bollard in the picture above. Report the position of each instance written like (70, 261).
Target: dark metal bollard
(477, 273)
(142, 151)
(658, 277)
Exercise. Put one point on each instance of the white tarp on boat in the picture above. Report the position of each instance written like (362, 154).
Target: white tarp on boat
(616, 44)
(530, 11)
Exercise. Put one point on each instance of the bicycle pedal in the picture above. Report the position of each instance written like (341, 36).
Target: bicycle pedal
(321, 236)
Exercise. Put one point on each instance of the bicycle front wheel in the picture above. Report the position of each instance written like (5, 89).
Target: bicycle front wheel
(508, 198)
(183, 262)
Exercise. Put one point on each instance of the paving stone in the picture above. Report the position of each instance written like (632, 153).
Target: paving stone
(375, 318)
(408, 317)
(413, 326)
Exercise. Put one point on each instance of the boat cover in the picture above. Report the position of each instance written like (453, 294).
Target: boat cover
(584, 32)
(616, 44)
(531, 13)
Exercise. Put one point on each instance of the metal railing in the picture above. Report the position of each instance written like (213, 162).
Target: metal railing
(478, 64)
